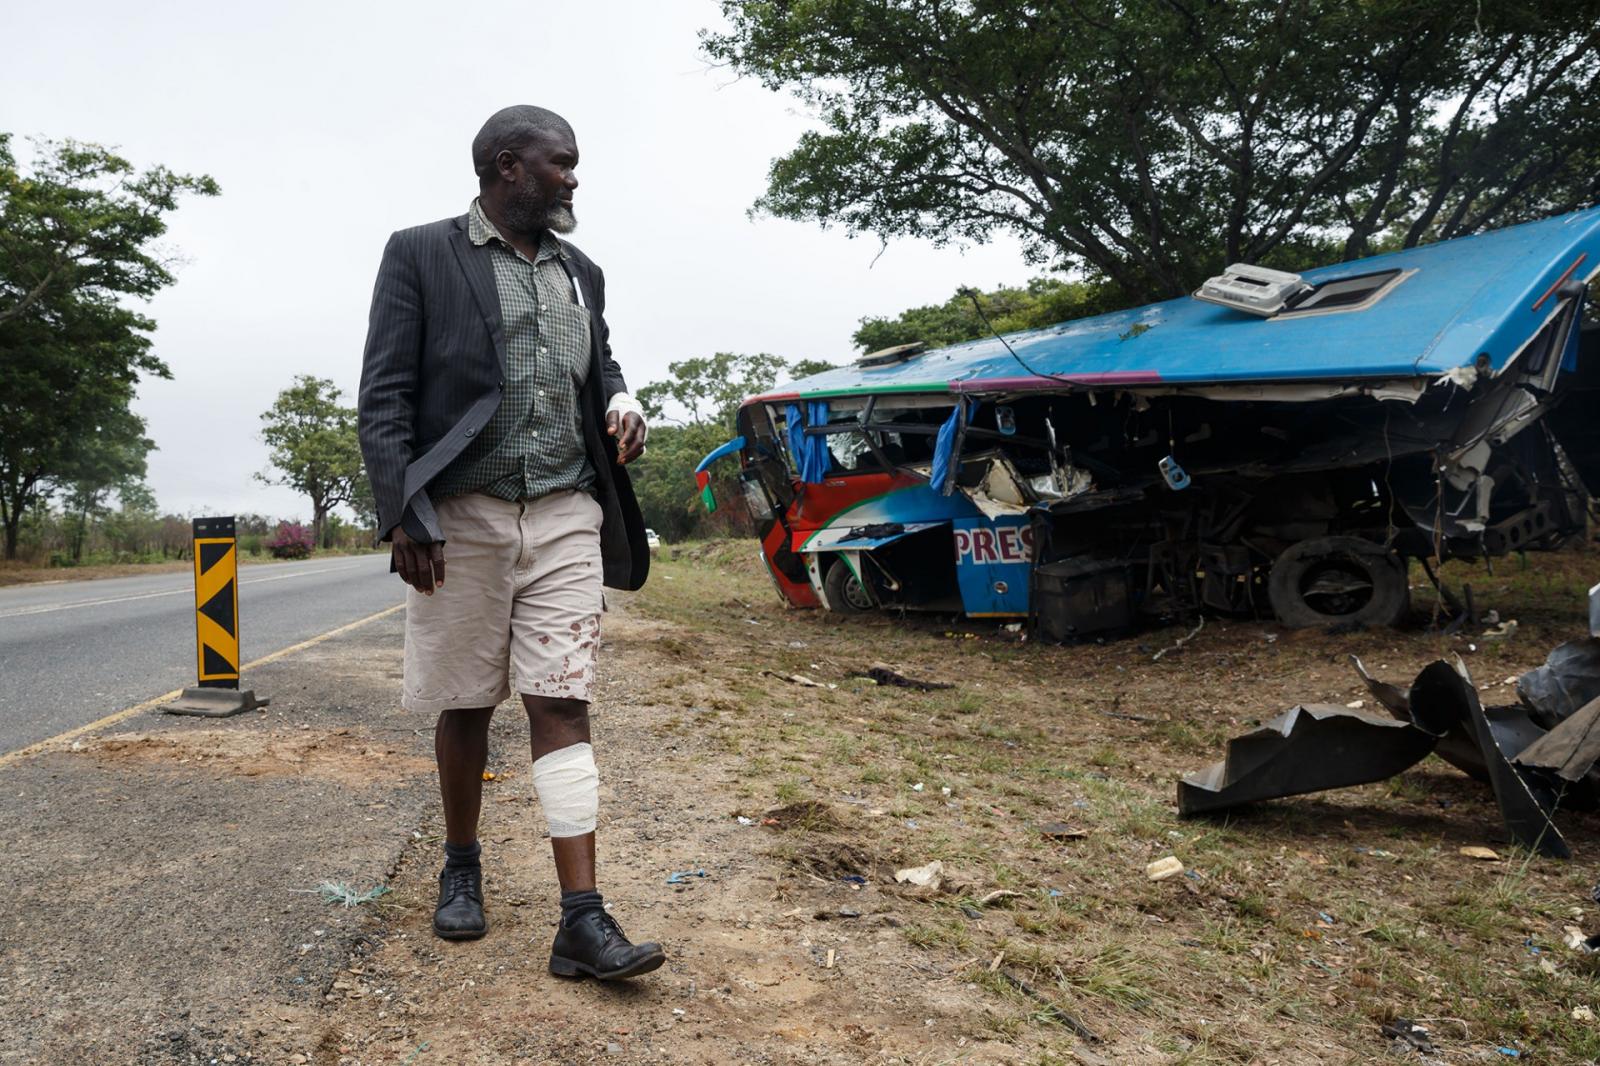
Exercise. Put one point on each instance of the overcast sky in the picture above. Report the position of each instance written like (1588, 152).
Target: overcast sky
(329, 125)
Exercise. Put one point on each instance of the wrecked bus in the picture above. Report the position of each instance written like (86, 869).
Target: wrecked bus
(1277, 444)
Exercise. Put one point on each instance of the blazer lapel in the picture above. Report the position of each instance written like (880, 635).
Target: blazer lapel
(480, 279)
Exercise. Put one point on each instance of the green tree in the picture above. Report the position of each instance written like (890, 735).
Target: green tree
(314, 447)
(709, 390)
(77, 236)
(107, 457)
(134, 526)
(1150, 142)
(1043, 302)
(364, 505)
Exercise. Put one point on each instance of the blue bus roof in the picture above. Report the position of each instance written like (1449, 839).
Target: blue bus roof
(1483, 295)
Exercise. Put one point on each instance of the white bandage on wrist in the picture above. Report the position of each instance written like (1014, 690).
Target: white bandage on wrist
(569, 789)
(623, 403)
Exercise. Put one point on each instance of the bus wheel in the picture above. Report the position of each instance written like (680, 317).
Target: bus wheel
(845, 592)
(1338, 581)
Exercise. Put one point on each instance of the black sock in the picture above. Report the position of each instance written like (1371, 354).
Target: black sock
(461, 854)
(576, 903)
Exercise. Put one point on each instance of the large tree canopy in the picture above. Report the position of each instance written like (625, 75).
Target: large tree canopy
(76, 239)
(1151, 142)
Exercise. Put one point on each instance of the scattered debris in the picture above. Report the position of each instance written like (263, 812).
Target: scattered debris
(347, 896)
(1051, 1011)
(1180, 642)
(1571, 749)
(1502, 631)
(1408, 1035)
(798, 679)
(997, 895)
(1162, 869)
(489, 775)
(742, 820)
(1316, 747)
(929, 876)
(1289, 755)
(679, 877)
(1062, 831)
(828, 963)
(1483, 854)
(1569, 679)
(884, 674)
(1582, 1014)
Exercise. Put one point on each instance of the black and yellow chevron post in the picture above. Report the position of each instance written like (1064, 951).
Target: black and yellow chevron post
(216, 625)
(216, 602)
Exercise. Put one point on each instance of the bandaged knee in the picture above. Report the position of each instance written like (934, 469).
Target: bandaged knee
(569, 789)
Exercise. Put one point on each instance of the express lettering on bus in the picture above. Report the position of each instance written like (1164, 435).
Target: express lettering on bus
(1007, 544)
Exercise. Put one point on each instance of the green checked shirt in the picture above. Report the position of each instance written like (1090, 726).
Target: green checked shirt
(534, 443)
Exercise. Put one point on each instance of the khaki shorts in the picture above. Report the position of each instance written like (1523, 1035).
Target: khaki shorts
(520, 606)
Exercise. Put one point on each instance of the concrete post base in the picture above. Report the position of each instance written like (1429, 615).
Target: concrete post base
(214, 702)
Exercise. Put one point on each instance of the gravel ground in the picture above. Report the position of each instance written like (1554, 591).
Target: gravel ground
(159, 881)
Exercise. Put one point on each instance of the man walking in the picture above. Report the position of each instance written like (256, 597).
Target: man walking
(485, 385)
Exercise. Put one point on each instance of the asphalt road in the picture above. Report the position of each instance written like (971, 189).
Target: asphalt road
(75, 651)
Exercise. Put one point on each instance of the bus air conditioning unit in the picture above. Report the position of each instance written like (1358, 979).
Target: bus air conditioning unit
(1255, 290)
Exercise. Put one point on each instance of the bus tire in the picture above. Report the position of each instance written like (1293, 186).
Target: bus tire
(1338, 581)
(845, 592)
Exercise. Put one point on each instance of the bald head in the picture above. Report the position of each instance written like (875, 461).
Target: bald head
(511, 129)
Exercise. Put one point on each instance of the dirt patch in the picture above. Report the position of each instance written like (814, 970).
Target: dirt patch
(341, 755)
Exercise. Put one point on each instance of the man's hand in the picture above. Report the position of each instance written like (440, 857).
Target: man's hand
(420, 565)
(629, 431)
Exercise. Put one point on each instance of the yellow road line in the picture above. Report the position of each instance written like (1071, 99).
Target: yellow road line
(128, 712)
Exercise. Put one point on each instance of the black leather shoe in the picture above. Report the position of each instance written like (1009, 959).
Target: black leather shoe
(593, 945)
(459, 915)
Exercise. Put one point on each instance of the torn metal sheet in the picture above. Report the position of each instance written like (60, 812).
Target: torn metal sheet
(1404, 390)
(1570, 749)
(1443, 693)
(1569, 679)
(1393, 699)
(864, 537)
(1308, 748)
(1313, 747)
(1458, 745)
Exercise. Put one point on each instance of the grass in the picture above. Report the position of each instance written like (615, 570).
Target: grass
(1300, 927)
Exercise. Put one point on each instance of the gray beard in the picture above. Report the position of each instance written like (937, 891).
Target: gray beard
(560, 219)
(528, 214)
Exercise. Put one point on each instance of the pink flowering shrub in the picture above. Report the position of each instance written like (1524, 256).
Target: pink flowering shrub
(290, 540)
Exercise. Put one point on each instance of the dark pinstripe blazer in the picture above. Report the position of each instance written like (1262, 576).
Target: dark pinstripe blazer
(433, 373)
